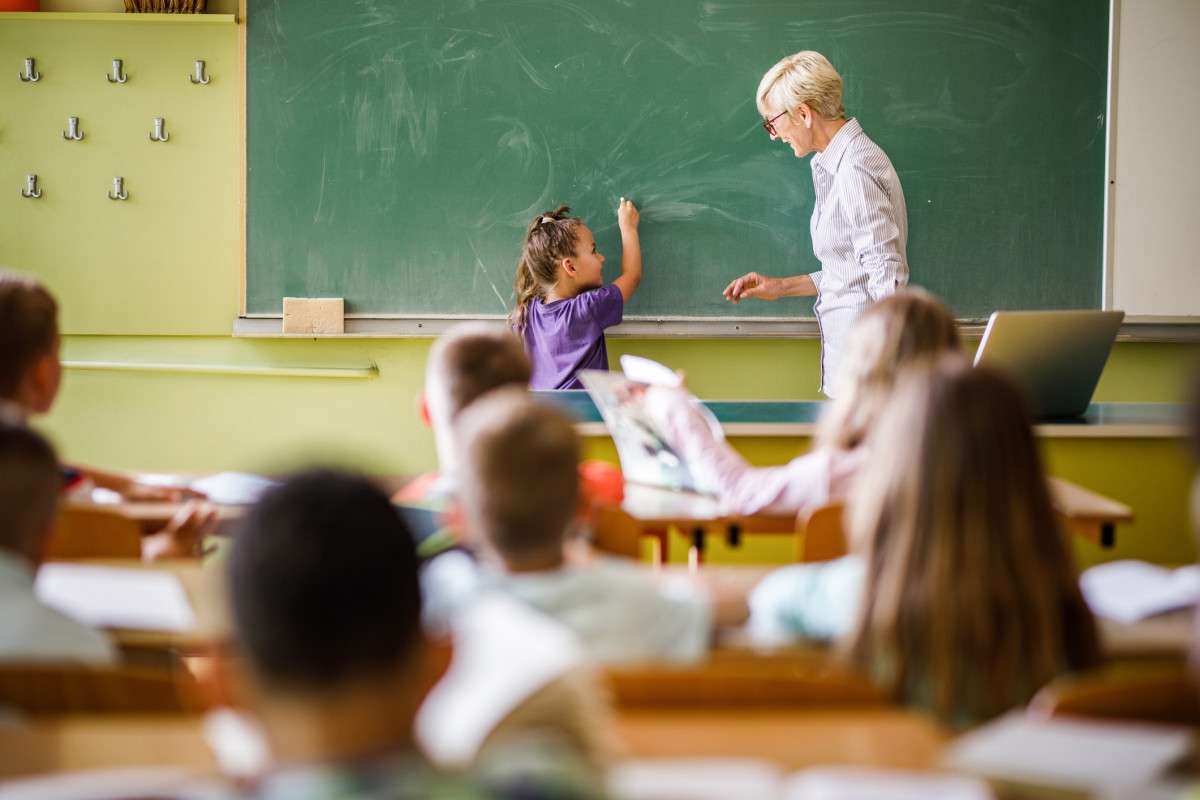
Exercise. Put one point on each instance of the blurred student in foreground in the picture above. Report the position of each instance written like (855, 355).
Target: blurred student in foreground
(960, 595)
(30, 375)
(907, 328)
(323, 582)
(520, 497)
(29, 489)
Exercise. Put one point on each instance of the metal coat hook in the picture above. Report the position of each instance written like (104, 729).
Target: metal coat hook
(32, 191)
(118, 192)
(72, 131)
(200, 76)
(29, 75)
(159, 135)
(117, 75)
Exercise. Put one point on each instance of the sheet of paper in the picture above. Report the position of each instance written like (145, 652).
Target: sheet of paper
(115, 597)
(652, 373)
(862, 783)
(1129, 590)
(648, 371)
(694, 779)
(1076, 755)
(233, 488)
(504, 652)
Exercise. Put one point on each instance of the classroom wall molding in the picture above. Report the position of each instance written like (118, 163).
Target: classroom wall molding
(363, 326)
(368, 371)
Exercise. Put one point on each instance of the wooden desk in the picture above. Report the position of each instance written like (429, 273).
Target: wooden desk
(67, 743)
(655, 511)
(1126, 451)
(793, 738)
(1087, 514)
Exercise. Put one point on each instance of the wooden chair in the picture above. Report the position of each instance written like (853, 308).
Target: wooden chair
(1141, 692)
(91, 531)
(38, 689)
(740, 681)
(819, 533)
(615, 531)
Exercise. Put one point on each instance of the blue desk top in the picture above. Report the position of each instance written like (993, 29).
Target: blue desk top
(799, 417)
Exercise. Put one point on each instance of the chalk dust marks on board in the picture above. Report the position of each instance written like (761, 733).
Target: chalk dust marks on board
(481, 269)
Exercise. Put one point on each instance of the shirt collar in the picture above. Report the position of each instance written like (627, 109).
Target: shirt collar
(832, 155)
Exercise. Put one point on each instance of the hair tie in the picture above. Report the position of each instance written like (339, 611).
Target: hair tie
(544, 219)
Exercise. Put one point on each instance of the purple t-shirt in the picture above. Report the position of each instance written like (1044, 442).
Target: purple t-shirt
(566, 336)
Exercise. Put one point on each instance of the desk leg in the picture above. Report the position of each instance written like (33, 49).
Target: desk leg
(734, 535)
(1108, 534)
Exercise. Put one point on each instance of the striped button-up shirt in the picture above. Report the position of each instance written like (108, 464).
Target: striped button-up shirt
(859, 233)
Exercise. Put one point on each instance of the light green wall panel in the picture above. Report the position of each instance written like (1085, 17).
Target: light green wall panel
(165, 260)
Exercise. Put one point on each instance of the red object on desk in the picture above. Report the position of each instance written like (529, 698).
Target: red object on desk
(20, 5)
(602, 482)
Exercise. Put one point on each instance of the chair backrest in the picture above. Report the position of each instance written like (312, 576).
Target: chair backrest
(55, 689)
(615, 531)
(1163, 692)
(820, 535)
(750, 680)
(94, 532)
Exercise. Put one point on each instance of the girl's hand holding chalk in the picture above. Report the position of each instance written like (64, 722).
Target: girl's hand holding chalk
(627, 216)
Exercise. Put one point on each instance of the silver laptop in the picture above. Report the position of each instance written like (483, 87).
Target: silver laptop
(1057, 356)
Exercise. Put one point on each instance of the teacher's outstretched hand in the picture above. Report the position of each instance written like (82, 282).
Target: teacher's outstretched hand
(752, 284)
(859, 223)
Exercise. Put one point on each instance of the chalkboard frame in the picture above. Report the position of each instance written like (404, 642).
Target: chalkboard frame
(765, 322)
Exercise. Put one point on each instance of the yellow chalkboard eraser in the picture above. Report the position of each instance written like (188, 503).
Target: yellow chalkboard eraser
(314, 315)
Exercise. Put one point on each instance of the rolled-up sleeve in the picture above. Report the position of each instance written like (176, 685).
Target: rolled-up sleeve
(875, 231)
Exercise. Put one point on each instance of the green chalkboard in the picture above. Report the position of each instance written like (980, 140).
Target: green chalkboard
(397, 149)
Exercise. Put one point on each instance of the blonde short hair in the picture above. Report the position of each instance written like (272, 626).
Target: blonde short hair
(804, 77)
(909, 327)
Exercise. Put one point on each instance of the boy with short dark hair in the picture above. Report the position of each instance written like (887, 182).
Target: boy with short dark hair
(323, 581)
(29, 490)
(30, 375)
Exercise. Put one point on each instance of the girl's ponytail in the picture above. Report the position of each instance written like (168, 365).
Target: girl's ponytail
(550, 238)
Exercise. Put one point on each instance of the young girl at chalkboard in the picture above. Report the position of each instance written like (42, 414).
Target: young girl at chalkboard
(562, 305)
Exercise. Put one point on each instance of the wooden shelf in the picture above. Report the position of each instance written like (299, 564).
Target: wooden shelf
(83, 16)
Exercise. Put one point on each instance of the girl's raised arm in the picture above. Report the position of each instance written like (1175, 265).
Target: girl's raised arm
(631, 249)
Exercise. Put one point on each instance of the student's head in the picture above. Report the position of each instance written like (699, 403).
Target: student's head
(557, 247)
(520, 485)
(910, 327)
(29, 490)
(467, 362)
(29, 367)
(805, 77)
(324, 593)
(970, 602)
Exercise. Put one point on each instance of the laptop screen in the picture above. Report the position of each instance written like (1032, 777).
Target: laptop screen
(1056, 356)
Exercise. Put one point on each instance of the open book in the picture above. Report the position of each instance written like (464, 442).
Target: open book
(646, 455)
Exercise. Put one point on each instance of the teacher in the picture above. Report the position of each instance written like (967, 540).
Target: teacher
(859, 224)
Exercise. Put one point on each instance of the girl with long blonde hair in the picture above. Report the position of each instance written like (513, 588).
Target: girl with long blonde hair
(961, 595)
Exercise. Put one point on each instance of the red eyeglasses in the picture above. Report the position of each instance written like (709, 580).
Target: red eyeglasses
(770, 124)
